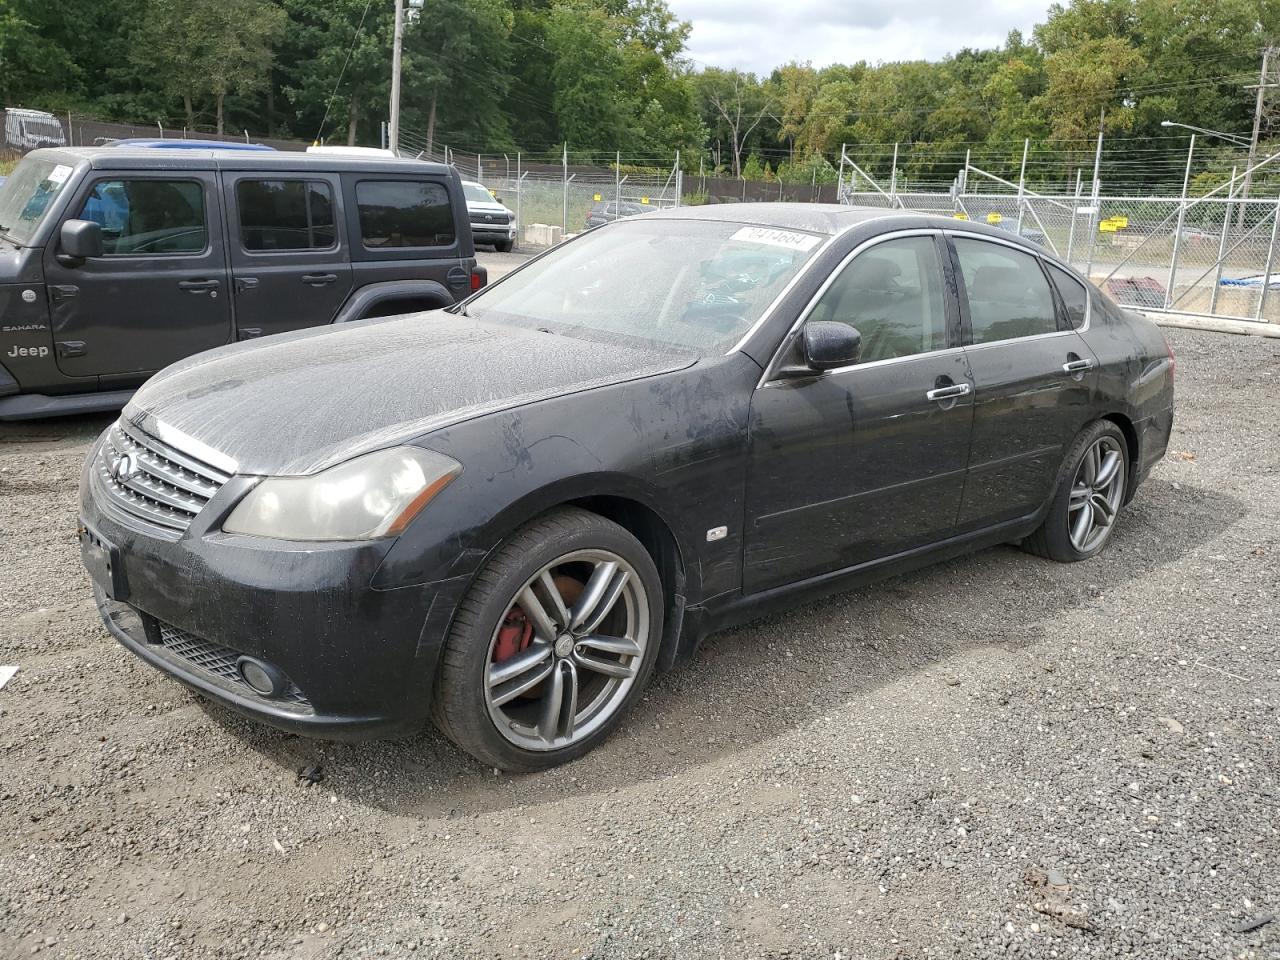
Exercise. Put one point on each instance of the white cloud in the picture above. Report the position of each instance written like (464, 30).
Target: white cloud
(759, 35)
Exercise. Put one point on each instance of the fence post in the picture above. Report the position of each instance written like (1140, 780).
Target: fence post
(519, 193)
(1222, 244)
(1271, 254)
(1177, 236)
(677, 178)
(893, 179)
(1075, 212)
(617, 184)
(564, 209)
(839, 178)
(1022, 182)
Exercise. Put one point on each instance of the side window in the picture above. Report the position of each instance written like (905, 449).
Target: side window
(148, 216)
(892, 294)
(404, 213)
(1073, 293)
(285, 215)
(1008, 294)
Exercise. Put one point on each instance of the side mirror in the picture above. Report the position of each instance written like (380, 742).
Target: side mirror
(81, 239)
(828, 344)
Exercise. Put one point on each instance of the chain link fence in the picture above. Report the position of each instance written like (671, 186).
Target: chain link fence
(1217, 253)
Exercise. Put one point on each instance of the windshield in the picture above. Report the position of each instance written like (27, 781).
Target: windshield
(477, 194)
(690, 285)
(27, 195)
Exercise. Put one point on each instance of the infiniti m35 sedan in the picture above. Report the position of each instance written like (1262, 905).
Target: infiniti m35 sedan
(504, 515)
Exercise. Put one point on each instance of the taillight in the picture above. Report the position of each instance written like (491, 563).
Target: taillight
(477, 281)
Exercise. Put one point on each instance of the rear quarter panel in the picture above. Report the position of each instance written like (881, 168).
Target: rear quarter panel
(1135, 376)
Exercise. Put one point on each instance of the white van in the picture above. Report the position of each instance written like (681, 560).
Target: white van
(31, 129)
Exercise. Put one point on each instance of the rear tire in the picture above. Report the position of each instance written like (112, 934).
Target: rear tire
(504, 246)
(530, 679)
(1092, 484)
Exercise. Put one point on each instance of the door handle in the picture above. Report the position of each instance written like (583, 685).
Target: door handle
(246, 283)
(1077, 366)
(248, 333)
(71, 348)
(198, 286)
(62, 291)
(949, 393)
(319, 279)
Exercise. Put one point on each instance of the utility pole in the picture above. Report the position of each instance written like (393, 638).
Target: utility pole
(1262, 88)
(393, 134)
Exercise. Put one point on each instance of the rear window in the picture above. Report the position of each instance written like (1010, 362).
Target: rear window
(404, 213)
(285, 215)
(1074, 295)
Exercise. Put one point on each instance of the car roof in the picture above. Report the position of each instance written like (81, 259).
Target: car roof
(825, 218)
(143, 158)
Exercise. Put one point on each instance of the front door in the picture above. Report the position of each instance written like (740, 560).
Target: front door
(865, 462)
(1033, 377)
(159, 292)
(290, 262)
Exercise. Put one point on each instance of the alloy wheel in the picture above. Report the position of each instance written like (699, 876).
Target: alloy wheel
(1096, 494)
(566, 653)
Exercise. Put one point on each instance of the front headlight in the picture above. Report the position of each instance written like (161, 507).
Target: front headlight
(375, 495)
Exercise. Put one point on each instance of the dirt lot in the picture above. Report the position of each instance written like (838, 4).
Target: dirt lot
(997, 756)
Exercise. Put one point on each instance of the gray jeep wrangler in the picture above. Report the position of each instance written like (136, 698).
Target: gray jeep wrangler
(116, 262)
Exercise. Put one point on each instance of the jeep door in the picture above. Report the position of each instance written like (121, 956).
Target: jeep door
(290, 263)
(158, 292)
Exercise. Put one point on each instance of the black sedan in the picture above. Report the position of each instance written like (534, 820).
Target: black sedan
(505, 515)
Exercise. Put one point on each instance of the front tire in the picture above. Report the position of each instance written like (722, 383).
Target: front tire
(1091, 489)
(504, 246)
(552, 644)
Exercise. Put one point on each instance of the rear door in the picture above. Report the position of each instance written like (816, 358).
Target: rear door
(290, 262)
(1033, 380)
(409, 227)
(158, 293)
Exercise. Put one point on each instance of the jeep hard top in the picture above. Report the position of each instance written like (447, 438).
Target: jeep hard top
(116, 261)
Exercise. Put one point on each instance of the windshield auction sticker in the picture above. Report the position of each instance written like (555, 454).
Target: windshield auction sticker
(59, 173)
(776, 238)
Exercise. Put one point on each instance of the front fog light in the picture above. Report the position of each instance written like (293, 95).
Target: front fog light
(263, 678)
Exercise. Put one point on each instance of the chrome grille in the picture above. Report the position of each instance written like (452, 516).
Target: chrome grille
(219, 662)
(168, 488)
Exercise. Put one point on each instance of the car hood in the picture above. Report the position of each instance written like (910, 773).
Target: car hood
(487, 208)
(300, 402)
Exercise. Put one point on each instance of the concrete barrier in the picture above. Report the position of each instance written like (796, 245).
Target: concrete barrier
(542, 235)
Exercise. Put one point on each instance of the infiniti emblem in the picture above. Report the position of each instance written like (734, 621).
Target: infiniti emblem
(124, 468)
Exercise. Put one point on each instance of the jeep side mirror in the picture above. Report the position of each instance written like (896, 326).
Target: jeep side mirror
(828, 344)
(81, 239)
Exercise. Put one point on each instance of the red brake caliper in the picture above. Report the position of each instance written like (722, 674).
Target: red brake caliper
(515, 634)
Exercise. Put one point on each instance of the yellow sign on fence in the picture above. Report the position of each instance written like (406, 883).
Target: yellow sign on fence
(960, 216)
(644, 199)
(1106, 226)
(994, 217)
(596, 198)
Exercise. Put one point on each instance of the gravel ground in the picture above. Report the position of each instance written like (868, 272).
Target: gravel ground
(998, 756)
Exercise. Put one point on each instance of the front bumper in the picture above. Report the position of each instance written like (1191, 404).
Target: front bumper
(360, 660)
(489, 232)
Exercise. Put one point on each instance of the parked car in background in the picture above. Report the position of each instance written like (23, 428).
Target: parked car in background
(31, 129)
(607, 211)
(506, 514)
(492, 221)
(117, 261)
(1027, 232)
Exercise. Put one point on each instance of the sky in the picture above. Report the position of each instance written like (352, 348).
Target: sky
(758, 35)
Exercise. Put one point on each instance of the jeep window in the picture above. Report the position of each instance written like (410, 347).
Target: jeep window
(404, 213)
(148, 216)
(285, 215)
(28, 194)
